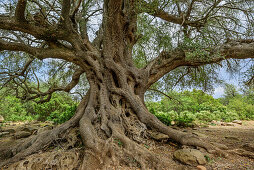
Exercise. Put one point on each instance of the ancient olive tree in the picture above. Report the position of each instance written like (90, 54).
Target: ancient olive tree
(123, 47)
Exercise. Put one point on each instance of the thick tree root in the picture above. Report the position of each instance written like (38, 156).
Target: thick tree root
(35, 143)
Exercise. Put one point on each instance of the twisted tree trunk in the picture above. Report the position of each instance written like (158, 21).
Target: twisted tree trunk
(113, 109)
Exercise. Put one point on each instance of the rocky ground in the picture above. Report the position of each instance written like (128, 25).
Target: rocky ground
(66, 153)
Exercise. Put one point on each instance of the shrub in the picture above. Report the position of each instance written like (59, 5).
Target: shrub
(206, 116)
(164, 117)
(13, 109)
(186, 118)
(62, 116)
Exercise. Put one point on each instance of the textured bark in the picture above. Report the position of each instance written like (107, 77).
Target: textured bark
(112, 118)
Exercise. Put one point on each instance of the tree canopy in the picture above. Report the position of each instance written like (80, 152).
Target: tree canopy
(123, 48)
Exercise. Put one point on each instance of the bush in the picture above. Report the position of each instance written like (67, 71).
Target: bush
(60, 117)
(59, 109)
(205, 116)
(186, 118)
(12, 109)
(164, 117)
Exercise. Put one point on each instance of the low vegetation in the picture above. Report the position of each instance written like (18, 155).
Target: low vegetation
(59, 109)
(194, 107)
(187, 108)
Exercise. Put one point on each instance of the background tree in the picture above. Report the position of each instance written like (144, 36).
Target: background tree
(123, 47)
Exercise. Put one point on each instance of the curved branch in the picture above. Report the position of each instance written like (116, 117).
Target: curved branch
(40, 53)
(38, 94)
(164, 94)
(167, 61)
(13, 46)
(40, 32)
(160, 13)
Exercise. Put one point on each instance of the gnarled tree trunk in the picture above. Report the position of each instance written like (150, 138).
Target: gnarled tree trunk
(113, 118)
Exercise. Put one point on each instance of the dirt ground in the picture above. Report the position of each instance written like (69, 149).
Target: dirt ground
(237, 138)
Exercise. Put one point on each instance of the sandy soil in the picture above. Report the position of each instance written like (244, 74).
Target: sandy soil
(234, 137)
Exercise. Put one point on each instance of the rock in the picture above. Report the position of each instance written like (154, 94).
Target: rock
(158, 136)
(50, 122)
(230, 124)
(22, 134)
(218, 123)
(31, 129)
(223, 123)
(9, 130)
(44, 129)
(238, 122)
(4, 133)
(190, 156)
(1, 119)
(200, 167)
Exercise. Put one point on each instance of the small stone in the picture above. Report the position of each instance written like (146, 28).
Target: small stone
(44, 129)
(29, 129)
(50, 122)
(4, 133)
(200, 167)
(9, 130)
(190, 156)
(223, 123)
(238, 122)
(1, 119)
(158, 136)
(172, 122)
(230, 124)
(22, 134)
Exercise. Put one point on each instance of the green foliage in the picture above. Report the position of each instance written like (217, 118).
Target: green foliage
(58, 105)
(166, 118)
(59, 116)
(197, 106)
(59, 109)
(13, 109)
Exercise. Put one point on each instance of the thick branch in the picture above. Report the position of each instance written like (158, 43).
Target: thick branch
(13, 46)
(40, 53)
(167, 61)
(20, 11)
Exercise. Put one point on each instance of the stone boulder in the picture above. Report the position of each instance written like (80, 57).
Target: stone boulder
(200, 167)
(10, 130)
(4, 134)
(158, 136)
(44, 129)
(31, 129)
(190, 156)
(22, 134)
(238, 122)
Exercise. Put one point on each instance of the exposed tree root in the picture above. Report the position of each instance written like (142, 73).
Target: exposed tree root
(242, 152)
(35, 143)
(114, 131)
